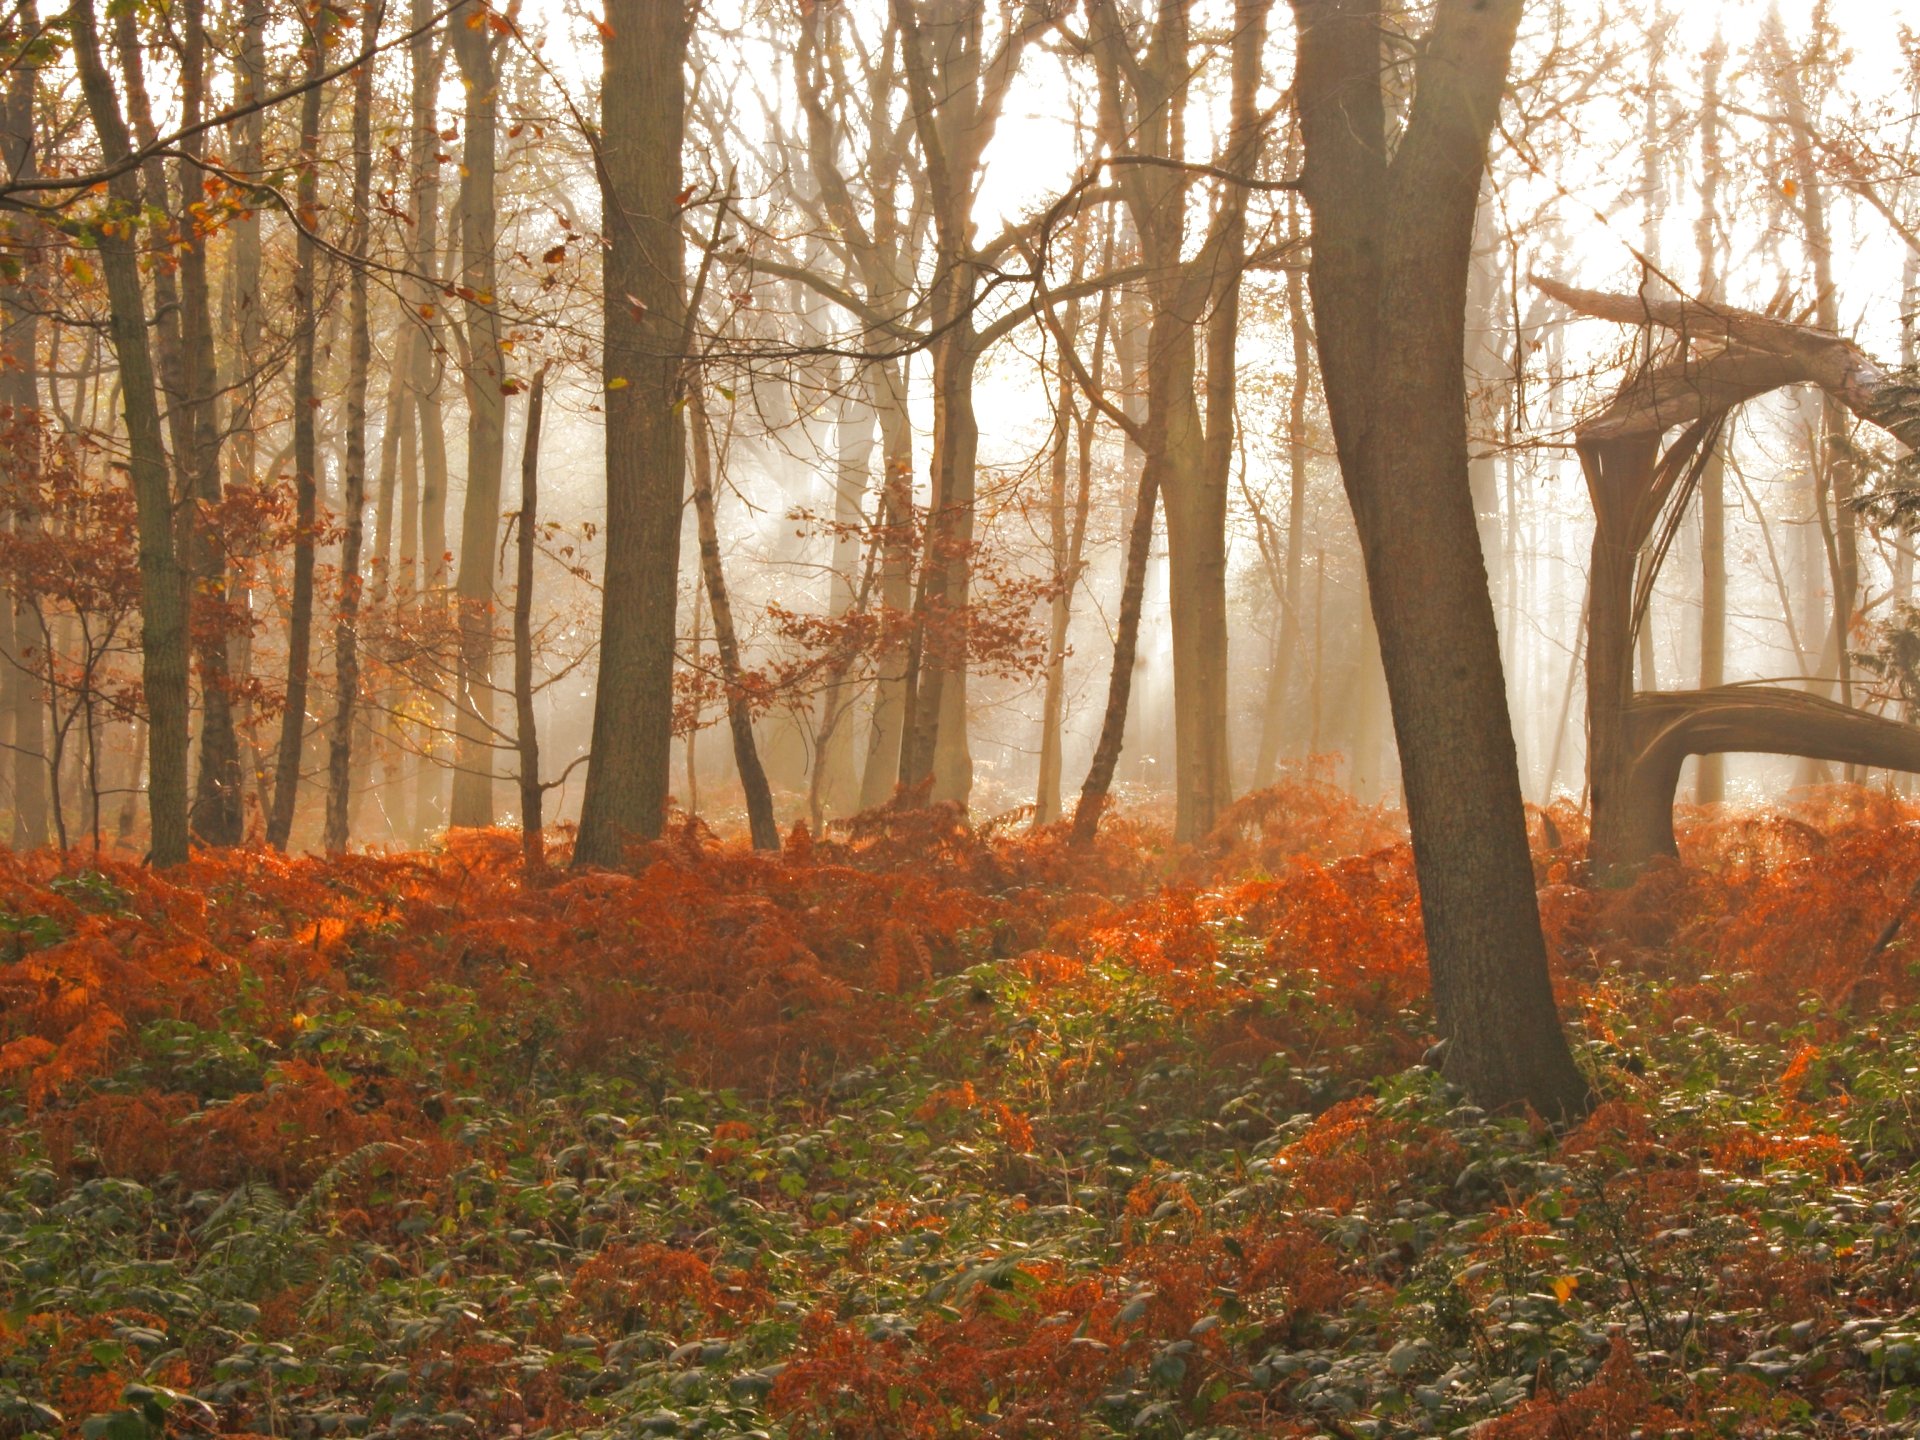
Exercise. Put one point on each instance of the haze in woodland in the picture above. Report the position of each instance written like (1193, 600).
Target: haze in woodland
(927, 717)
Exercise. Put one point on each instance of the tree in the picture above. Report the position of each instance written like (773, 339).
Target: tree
(163, 595)
(957, 80)
(1392, 235)
(643, 125)
(526, 728)
(476, 47)
(306, 449)
(20, 394)
(346, 652)
(1641, 484)
(1188, 447)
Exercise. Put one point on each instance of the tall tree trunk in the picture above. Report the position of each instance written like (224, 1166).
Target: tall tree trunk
(346, 634)
(306, 453)
(1710, 782)
(219, 810)
(1143, 101)
(1392, 243)
(881, 771)
(475, 48)
(643, 124)
(426, 60)
(1126, 640)
(935, 747)
(746, 755)
(25, 719)
(1066, 534)
(833, 785)
(1834, 472)
(163, 598)
(1300, 336)
(526, 726)
(247, 329)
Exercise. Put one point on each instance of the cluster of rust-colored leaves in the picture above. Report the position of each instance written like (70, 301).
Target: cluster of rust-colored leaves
(741, 968)
(772, 971)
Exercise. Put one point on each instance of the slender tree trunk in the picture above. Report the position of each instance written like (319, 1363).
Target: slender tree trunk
(746, 755)
(1301, 336)
(1060, 611)
(346, 635)
(882, 768)
(485, 372)
(246, 326)
(1113, 725)
(643, 123)
(1834, 472)
(163, 599)
(306, 454)
(1392, 244)
(1710, 784)
(526, 727)
(833, 785)
(219, 810)
(426, 60)
(25, 717)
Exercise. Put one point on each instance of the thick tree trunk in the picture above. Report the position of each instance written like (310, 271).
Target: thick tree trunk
(306, 457)
(163, 598)
(485, 375)
(746, 755)
(1392, 243)
(643, 112)
(346, 634)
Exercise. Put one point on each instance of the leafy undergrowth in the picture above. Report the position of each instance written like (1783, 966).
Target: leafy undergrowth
(925, 1131)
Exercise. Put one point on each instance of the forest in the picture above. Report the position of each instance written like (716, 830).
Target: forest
(846, 719)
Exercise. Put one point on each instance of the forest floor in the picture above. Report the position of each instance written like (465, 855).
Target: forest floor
(927, 1131)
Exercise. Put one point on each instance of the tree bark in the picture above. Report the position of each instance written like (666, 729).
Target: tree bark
(247, 328)
(746, 755)
(526, 726)
(643, 115)
(163, 598)
(833, 786)
(426, 61)
(219, 809)
(306, 453)
(346, 634)
(1067, 527)
(1113, 723)
(25, 718)
(1288, 645)
(881, 772)
(476, 50)
(1392, 242)
(1710, 781)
